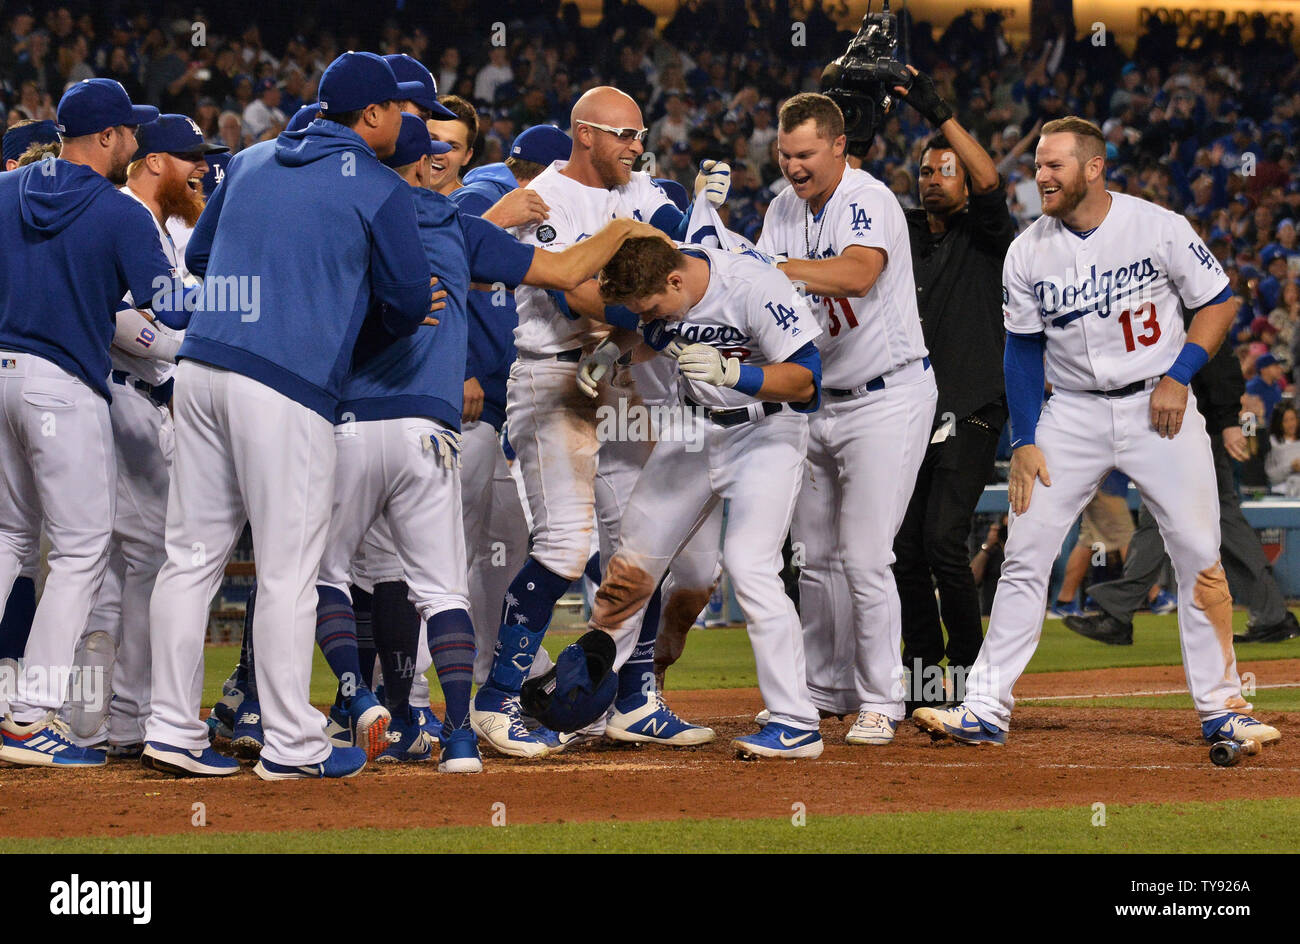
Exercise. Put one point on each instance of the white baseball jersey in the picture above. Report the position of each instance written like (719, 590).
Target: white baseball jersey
(1109, 303)
(577, 211)
(749, 311)
(142, 365)
(881, 331)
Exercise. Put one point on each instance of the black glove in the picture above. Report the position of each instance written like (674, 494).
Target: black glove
(924, 97)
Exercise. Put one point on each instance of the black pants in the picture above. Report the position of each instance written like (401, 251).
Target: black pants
(930, 550)
(1250, 578)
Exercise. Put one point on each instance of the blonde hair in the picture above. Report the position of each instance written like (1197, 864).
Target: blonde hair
(1089, 142)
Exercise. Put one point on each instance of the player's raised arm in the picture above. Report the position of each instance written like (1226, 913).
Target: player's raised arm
(924, 97)
(577, 265)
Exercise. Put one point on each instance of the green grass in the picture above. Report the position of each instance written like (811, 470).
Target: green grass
(1239, 826)
(722, 658)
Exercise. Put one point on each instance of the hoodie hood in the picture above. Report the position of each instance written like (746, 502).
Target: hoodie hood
(50, 202)
(498, 174)
(316, 142)
(432, 209)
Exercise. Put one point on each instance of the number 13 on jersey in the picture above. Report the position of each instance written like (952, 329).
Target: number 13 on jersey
(1145, 316)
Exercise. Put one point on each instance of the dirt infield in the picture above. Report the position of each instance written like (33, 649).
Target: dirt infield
(1054, 757)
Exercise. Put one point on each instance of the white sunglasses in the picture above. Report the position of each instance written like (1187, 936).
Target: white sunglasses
(626, 135)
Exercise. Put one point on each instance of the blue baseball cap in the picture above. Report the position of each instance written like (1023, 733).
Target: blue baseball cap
(413, 142)
(303, 117)
(1269, 253)
(542, 144)
(92, 105)
(18, 140)
(173, 134)
(407, 69)
(216, 172)
(1264, 360)
(357, 79)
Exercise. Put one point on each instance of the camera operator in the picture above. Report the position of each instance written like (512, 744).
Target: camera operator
(958, 242)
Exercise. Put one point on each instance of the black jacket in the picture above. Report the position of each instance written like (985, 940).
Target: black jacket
(959, 295)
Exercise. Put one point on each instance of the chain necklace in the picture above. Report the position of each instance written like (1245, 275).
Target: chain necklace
(807, 215)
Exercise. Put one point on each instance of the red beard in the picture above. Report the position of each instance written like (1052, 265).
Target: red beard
(175, 198)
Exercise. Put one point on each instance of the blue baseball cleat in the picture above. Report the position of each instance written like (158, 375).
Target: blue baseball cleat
(180, 762)
(408, 743)
(427, 720)
(780, 740)
(647, 720)
(1239, 728)
(1164, 602)
(247, 737)
(339, 727)
(369, 722)
(45, 743)
(495, 717)
(959, 723)
(459, 752)
(341, 762)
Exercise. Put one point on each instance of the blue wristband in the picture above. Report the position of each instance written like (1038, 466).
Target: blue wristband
(1190, 359)
(751, 380)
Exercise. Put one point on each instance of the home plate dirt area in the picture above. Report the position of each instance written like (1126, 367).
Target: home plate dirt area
(1055, 756)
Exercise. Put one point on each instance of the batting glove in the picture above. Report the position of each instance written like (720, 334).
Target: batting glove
(596, 365)
(705, 363)
(924, 97)
(714, 179)
(448, 445)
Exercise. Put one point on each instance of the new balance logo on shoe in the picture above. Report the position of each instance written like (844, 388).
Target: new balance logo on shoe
(75, 897)
(250, 718)
(655, 728)
(788, 741)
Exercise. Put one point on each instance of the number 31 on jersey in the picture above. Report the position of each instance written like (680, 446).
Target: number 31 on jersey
(844, 307)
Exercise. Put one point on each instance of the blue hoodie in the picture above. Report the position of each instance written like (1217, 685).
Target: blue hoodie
(305, 235)
(71, 245)
(424, 374)
(484, 186)
(492, 327)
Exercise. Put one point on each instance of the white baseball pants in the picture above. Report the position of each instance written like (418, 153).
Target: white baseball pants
(756, 466)
(243, 453)
(56, 463)
(1083, 436)
(386, 470)
(143, 440)
(864, 454)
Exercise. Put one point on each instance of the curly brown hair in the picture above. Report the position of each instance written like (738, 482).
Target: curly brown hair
(639, 269)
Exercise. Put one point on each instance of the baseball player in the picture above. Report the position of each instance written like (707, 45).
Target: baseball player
(165, 177)
(496, 530)
(259, 381)
(1092, 293)
(552, 424)
(20, 606)
(752, 456)
(402, 466)
(846, 240)
(77, 244)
